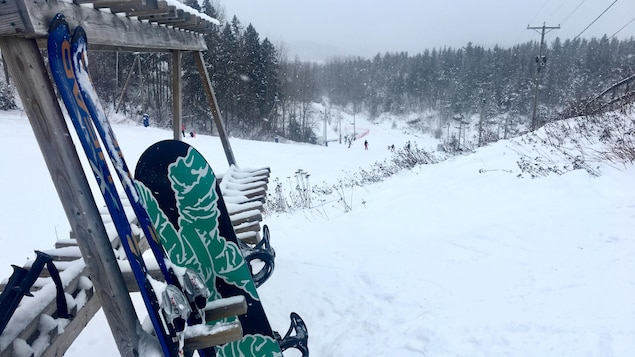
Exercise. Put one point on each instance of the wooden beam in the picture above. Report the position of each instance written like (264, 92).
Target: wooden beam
(177, 110)
(101, 3)
(225, 307)
(167, 13)
(103, 29)
(228, 332)
(213, 103)
(107, 3)
(161, 8)
(181, 16)
(81, 318)
(31, 79)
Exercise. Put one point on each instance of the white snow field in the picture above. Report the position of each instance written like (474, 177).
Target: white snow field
(460, 258)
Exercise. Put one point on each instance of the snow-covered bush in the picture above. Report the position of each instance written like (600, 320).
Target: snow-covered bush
(297, 192)
(582, 143)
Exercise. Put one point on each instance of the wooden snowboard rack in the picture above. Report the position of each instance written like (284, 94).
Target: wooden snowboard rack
(83, 302)
(92, 275)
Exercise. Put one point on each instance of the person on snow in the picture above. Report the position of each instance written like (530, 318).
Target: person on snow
(366, 144)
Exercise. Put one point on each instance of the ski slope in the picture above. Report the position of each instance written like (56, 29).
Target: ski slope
(461, 258)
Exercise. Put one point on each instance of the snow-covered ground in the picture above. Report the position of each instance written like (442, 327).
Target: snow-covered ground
(461, 258)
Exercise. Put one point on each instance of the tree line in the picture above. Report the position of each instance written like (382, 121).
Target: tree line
(262, 93)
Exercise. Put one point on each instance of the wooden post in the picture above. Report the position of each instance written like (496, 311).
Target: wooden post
(211, 98)
(125, 86)
(36, 91)
(177, 110)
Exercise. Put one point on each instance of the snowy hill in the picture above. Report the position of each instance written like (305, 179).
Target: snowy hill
(467, 257)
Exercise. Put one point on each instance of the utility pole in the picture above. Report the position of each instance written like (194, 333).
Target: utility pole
(480, 123)
(339, 130)
(326, 142)
(354, 111)
(541, 61)
(483, 92)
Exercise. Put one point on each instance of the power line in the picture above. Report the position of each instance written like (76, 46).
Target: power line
(557, 9)
(603, 12)
(572, 12)
(539, 11)
(560, 7)
(616, 32)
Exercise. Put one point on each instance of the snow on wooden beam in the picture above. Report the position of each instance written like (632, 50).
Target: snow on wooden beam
(108, 30)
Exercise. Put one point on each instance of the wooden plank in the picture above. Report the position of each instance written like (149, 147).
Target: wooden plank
(257, 194)
(213, 103)
(246, 178)
(62, 243)
(131, 283)
(247, 227)
(245, 217)
(161, 8)
(167, 13)
(225, 333)
(101, 3)
(65, 254)
(7, 8)
(244, 186)
(227, 307)
(103, 29)
(249, 237)
(61, 266)
(177, 110)
(63, 341)
(236, 208)
(11, 23)
(32, 81)
(123, 5)
(181, 16)
(174, 16)
(248, 173)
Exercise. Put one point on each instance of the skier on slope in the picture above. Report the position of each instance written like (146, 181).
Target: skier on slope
(366, 144)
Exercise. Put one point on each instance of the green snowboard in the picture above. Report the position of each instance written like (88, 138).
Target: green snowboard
(178, 188)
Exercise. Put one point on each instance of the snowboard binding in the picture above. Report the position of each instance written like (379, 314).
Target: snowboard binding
(263, 252)
(196, 293)
(300, 338)
(176, 308)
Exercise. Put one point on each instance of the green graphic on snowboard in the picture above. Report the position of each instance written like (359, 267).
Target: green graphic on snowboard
(197, 242)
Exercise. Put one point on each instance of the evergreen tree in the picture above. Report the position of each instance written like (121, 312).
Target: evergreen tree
(260, 93)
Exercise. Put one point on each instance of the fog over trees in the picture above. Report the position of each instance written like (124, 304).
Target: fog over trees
(263, 94)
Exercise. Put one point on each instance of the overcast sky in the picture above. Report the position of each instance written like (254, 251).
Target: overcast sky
(315, 29)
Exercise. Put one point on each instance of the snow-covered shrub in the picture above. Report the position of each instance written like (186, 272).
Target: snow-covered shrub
(582, 143)
(298, 193)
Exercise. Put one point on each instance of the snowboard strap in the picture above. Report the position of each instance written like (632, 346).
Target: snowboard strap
(60, 298)
(20, 283)
(262, 251)
(300, 338)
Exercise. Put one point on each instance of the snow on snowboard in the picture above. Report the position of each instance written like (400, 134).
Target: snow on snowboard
(181, 194)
